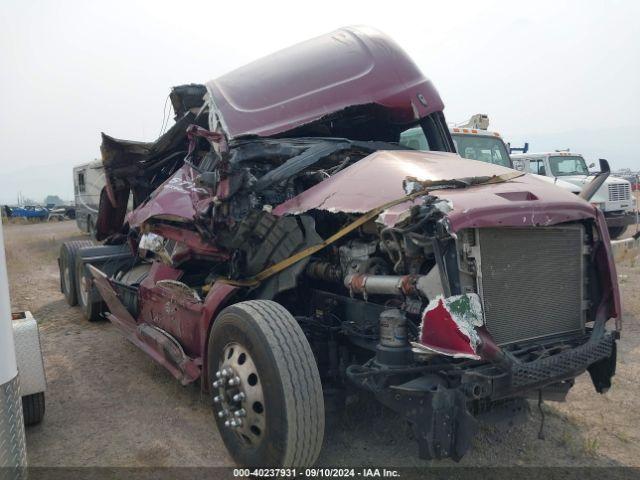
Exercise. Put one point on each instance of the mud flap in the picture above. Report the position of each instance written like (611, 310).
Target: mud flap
(443, 426)
(450, 428)
(603, 370)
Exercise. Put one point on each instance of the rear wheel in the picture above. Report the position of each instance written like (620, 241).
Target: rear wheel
(67, 265)
(615, 232)
(33, 408)
(266, 387)
(91, 308)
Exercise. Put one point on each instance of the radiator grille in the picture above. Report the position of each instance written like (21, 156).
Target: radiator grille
(619, 191)
(531, 281)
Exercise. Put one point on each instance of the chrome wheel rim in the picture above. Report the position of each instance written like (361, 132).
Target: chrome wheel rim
(67, 278)
(238, 396)
(84, 289)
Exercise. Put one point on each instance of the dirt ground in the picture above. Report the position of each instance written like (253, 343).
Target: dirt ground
(108, 404)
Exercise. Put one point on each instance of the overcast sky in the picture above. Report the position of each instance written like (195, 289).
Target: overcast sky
(557, 74)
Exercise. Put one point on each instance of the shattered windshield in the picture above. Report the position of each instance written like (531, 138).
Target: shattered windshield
(485, 149)
(568, 165)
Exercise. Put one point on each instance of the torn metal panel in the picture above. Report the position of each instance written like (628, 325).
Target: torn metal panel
(385, 175)
(187, 98)
(352, 79)
(449, 326)
(176, 200)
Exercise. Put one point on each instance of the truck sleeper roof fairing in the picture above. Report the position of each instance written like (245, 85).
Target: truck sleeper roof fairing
(353, 83)
(354, 72)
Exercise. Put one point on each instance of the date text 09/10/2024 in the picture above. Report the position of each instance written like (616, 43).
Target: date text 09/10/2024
(316, 472)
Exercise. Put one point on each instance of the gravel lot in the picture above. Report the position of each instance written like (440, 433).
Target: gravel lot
(108, 404)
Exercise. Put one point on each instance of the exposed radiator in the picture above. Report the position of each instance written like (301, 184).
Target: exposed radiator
(619, 192)
(531, 281)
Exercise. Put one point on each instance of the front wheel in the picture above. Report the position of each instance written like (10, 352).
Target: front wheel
(266, 388)
(615, 232)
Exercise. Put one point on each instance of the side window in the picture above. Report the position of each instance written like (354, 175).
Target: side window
(537, 166)
(81, 184)
(519, 164)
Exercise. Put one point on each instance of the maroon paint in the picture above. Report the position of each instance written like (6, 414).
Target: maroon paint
(178, 199)
(379, 178)
(295, 86)
(441, 333)
(189, 369)
(196, 245)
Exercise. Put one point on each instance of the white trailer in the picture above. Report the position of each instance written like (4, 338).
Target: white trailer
(22, 378)
(88, 182)
(13, 452)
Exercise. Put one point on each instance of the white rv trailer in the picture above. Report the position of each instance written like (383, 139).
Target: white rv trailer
(88, 182)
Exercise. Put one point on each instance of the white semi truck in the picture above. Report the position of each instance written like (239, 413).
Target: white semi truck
(614, 197)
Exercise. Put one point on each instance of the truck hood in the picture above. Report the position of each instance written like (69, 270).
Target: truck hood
(572, 187)
(329, 84)
(513, 199)
(582, 180)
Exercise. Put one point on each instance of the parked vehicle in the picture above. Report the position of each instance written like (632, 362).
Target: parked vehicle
(478, 144)
(614, 197)
(31, 212)
(632, 177)
(283, 244)
(88, 183)
(30, 364)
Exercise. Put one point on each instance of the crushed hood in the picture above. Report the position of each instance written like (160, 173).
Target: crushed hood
(329, 84)
(517, 200)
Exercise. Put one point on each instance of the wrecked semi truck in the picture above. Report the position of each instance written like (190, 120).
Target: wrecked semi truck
(285, 250)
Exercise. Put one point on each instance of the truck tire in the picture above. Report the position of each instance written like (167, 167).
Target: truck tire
(66, 264)
(91, 308)
(258, 350)
(615, 232)
(33, 408)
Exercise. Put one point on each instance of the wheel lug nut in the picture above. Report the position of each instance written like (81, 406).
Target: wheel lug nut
(234, 381)
(235, 422)
(218, 374)
(227, 372)
(218, 383)
(217, 398)
(239, 397)
(223, 413)
(227, 423)
(240, 413)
